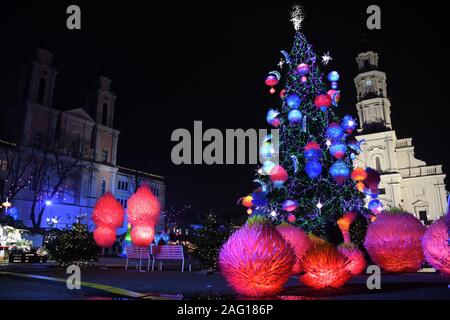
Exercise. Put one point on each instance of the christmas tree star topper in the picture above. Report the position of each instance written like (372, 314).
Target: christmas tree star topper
(297, 16)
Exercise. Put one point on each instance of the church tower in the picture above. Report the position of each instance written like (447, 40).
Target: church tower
(406, 182)
(374, 108)
(101, 102)
(38, 79)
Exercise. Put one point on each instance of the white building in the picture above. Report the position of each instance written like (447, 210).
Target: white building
(406, 182)
(85, 133)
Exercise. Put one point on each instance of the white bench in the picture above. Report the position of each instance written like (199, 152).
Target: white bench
(138, 253)
(167, 253)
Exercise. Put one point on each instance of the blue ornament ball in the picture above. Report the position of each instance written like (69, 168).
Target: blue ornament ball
(348, 124)
(259, 199)
(313, 169)
(334, 85)
(333, 76)
(334, 131)
(293, 101)
(375, 206)
(313, 154)
(339, 171)
(294, 116)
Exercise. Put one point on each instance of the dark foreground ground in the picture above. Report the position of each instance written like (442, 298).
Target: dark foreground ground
(25, 281)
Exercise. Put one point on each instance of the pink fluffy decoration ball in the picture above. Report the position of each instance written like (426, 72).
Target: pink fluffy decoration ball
(104, 236)
(436, 248)
(393, 242)
(108, 212)
(356, 261)
(142, 235)
(143, 207)
(256, 261)
(298, 240)
(324, 266)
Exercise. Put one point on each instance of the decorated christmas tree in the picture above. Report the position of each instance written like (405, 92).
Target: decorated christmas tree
(315, 181)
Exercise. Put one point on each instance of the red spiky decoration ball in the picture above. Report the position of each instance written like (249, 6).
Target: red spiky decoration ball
(108, 212)
(393, 242)
(356, 261)
(143, 207)
(142, 235)
(143, 214)
(324, 266)
(299, 241)
(256, 260)
(104, 236)
(436, 248)
(108, 215)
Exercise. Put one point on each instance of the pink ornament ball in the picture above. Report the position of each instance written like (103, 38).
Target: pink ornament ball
(435, 246)
(356, 262)
(256, 261)
(393, 242)
(291, 218)
(104, 236)
(298, 240)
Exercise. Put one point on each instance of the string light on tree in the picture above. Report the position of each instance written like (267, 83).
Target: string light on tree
(319, 206)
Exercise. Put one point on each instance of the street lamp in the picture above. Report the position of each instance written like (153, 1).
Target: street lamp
(7, 205)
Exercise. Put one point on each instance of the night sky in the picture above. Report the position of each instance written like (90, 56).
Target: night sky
(175, 63)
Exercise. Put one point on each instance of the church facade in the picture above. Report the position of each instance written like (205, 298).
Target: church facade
(406, 182)
(84, 133)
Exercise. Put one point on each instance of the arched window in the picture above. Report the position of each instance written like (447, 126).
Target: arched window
(41, 91)
(105, 155)
(74, 143)
(105, 114)
(378, 164)
(103, 187)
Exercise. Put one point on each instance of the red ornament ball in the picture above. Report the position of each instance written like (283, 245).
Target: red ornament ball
(291, 218)
(278, 175)
(303, 69)
(271, 81)
(322, 102)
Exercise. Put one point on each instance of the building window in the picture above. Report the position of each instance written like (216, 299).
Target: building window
(103, 187)
(423, 216)
(382, 190)
(74, 144)
(155, 191)
(124, 203)
(122, 185)
(105, 156)
(105, 114)
(3, 166)
(378, 164)
(41, 91)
